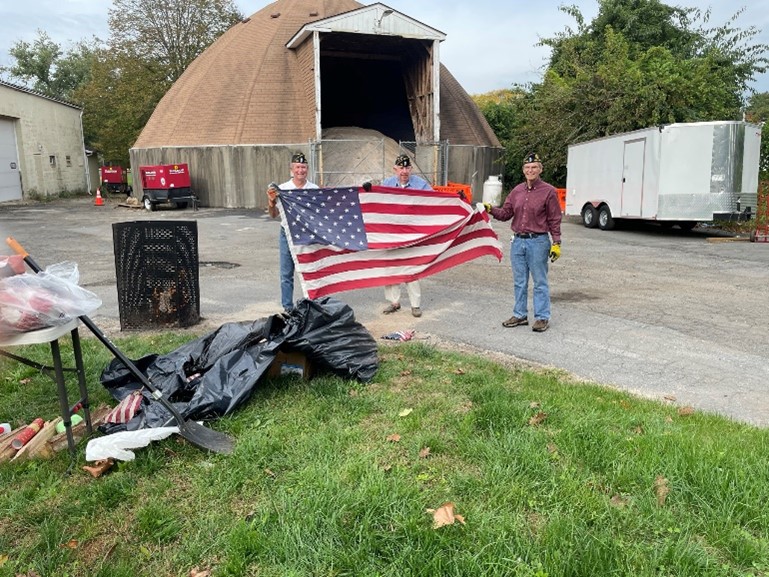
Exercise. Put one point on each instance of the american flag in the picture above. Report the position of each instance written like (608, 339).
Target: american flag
(346, 238)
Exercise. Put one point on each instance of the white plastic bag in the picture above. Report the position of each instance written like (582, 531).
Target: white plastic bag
(50, 298)
(118, 445)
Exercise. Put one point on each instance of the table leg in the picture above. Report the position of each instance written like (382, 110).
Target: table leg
(63, 400)
(81, 379)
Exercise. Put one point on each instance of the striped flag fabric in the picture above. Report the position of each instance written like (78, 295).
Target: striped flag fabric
(349, 238)
(126, 409)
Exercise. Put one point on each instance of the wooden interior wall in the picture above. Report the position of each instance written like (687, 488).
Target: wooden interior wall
(417, 75)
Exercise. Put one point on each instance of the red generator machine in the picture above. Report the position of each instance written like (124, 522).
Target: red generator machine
(166, 183)
(113, 179)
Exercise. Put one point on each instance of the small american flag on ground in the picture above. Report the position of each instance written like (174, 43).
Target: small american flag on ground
(126, 409)
(346, 238)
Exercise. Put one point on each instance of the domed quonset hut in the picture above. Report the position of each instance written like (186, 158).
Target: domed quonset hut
(345, 83)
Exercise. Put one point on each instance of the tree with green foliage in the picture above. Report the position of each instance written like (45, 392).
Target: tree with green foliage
(118, 101)
(171, 33)
(639, 63)
(758, 112)
(151, 43)
(44, 66)
(505, 111)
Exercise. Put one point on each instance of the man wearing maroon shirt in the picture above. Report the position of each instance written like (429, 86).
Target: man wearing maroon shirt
(533, 205)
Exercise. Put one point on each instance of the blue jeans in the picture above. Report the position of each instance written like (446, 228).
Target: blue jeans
(529, 256)
(286, 273)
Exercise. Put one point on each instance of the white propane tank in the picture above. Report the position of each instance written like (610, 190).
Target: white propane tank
(492, 190)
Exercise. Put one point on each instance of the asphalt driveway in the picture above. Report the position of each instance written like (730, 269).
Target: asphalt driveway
(666, 314)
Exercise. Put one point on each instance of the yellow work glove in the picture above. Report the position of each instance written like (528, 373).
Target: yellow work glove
(487, 206)
(555, 252)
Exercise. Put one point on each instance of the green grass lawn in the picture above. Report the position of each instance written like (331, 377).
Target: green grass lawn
(547, 477)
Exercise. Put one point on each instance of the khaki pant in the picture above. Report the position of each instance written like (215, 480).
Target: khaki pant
(393, 293)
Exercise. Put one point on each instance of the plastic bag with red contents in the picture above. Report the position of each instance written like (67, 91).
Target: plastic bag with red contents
(50, 298)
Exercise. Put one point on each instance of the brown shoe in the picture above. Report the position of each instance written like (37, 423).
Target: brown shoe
(391, 308)
(515, 322)
(539, 326)
(416, 311)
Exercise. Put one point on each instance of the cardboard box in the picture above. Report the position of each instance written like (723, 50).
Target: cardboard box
(291, 364)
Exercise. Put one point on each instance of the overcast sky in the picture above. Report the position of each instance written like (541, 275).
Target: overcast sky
(490, 44)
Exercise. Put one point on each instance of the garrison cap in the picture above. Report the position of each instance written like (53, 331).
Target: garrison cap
(403, 160)
(299, 158)
(531, 157)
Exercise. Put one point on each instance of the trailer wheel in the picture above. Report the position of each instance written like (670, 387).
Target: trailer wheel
(605, 220)
(589, 216)
(148, 204)
(687, 225)
(180, 204)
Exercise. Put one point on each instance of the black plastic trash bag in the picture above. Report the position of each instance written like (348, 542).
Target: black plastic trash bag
(325, 331)
(216, 373)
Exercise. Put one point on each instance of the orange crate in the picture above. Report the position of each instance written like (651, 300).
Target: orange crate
(457, 188)
(561, 198)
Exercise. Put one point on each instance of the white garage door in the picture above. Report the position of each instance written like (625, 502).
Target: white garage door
(10, 183)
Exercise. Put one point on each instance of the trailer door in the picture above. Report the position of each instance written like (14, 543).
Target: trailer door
(632, 178)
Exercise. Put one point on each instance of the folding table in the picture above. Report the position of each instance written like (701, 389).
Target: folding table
(56, 372)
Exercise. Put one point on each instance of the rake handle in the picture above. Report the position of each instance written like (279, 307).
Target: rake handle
(20, 250)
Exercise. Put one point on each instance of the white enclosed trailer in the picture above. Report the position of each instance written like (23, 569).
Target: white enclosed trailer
(676, 174)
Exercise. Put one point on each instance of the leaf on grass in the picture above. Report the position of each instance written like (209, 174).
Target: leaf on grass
(405, 373)
(25, 381)
(668, 419)
(444, 515)
(685, 411)
(661, 489)
(624, 404)
(71, 544)
(353, 392)
(535, 405)
(270, 473)
(195, 572)
(538, 419)
(394, 438)
(424, 453)
(405, 412)
(459, 371)
(618, 501)
(3, 560)
(669, 397)
(638, 430)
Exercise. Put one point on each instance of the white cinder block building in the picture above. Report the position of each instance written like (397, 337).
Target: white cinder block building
(41, 145)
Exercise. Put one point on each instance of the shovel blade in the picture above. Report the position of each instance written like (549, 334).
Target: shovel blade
(205, 438)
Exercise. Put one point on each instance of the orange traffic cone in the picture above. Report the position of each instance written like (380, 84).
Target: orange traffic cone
(99, 200)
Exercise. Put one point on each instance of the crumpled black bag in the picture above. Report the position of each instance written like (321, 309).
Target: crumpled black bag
(218, 372)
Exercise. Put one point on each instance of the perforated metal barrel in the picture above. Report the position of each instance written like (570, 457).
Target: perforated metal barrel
(156, 266)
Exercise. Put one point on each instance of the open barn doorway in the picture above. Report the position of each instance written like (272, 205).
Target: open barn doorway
(365, 93)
